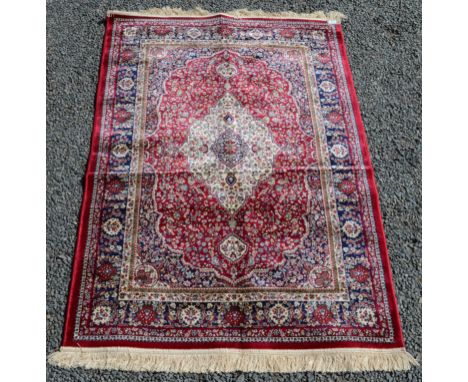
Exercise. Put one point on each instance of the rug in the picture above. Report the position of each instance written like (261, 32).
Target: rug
(230, 218)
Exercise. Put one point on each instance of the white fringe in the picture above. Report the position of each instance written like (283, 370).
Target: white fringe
(226, 360)
(238, 13)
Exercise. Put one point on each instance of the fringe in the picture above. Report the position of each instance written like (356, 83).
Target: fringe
(227, 360)
(238, 13)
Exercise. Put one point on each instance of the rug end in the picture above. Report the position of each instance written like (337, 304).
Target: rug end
(335, 16)
(229, 360)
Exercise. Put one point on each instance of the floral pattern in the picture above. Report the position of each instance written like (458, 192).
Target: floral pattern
(216, 168)
(101, 315)
(231, 200)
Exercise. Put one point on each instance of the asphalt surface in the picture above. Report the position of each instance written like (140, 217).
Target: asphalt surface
(383, 39)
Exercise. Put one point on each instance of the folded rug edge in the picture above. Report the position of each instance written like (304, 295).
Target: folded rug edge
(238, 13)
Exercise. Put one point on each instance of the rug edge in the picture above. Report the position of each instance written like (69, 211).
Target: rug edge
(237, 13)
(228, 360)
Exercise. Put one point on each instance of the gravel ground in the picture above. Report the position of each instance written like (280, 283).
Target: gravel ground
(383, 39)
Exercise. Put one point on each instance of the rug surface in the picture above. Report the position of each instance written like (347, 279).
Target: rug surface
(230, 219)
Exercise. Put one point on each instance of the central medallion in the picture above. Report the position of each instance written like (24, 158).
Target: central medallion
(230, 151)
(229, 148)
